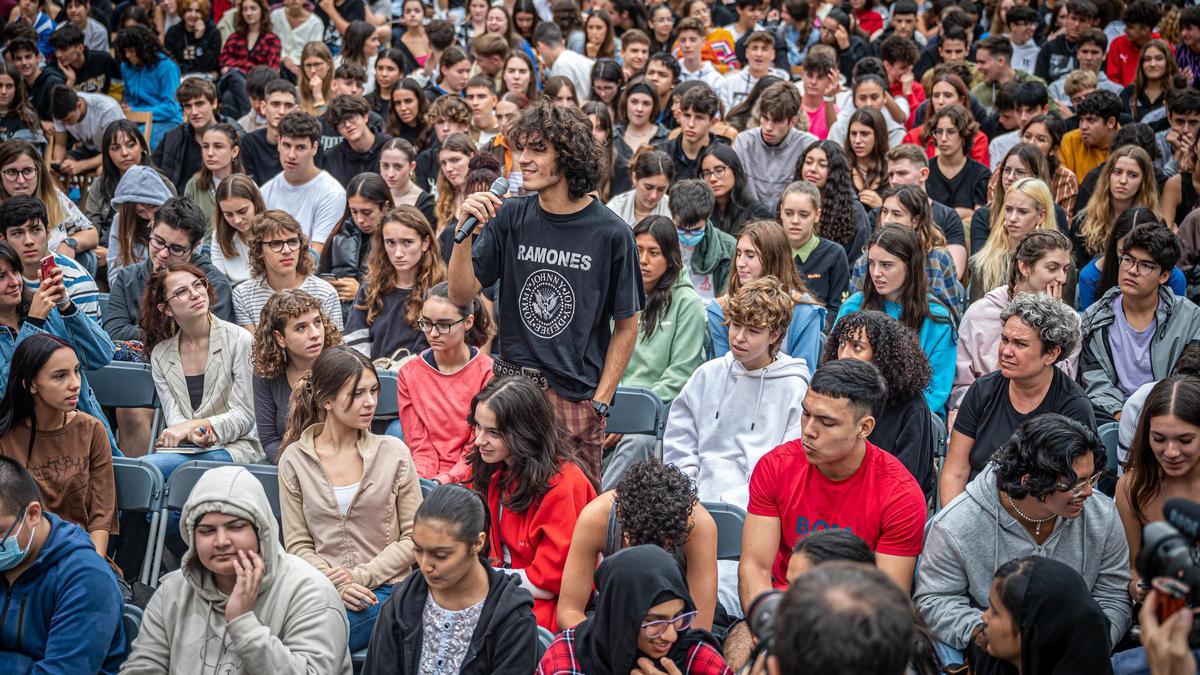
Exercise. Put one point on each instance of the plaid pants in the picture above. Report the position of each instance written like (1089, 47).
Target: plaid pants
(585, 430)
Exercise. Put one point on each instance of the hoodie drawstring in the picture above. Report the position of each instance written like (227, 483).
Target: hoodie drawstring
(762, 382)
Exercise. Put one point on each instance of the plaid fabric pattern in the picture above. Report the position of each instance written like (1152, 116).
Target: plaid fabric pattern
(1066, 189)
(559, 659)
(236, 54)
(585, 429)
(939, 272)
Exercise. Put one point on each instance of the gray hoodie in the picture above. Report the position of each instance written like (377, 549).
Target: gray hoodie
(140, 185)
(973, 536)
(769, 168)
(298, 624)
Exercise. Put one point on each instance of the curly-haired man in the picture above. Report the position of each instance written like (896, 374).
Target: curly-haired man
(569, 268)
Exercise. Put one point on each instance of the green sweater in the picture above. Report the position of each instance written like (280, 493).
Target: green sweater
(664, 361)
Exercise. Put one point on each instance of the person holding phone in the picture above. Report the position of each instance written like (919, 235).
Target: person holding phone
(23, 223)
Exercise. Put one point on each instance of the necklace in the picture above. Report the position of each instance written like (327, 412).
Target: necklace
(1036, 522)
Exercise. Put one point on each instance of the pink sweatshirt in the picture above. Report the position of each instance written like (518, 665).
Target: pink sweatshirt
(433, 413)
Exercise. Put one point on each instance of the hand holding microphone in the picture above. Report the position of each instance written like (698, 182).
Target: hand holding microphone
(480, 206)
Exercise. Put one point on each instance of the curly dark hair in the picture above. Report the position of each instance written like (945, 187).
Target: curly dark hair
(837, 197)
(142, 41)
(654, 504)
(1040, 453)
(897, 353)
(569, 133)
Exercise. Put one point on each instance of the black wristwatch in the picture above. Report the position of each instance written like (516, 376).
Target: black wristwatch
(600, 408)
(70, 241)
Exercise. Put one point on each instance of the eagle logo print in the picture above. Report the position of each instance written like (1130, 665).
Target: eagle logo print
(547, 303)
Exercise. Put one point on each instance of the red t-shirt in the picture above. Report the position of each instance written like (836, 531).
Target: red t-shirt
(881, 502)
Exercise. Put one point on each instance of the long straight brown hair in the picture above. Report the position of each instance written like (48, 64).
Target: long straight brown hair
(335, 367)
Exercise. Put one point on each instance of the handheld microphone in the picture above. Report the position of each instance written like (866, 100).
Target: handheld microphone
(499, 188)
(1183, 515)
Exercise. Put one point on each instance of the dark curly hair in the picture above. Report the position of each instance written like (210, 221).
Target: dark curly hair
(1040, 453)
(897, 353)
(654, 505)
(837, 197)
(569, 133)
(142, 41)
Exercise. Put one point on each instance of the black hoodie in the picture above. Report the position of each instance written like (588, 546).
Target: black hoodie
(505, 641)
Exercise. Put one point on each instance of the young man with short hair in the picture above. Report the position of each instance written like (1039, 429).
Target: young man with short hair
(360, 151)
(447, 115)
(551, 250)
(698, 109)
(899, 55)
(176, 235)
(23, 54)
(23, 226)
(1087, 147)
(481, 98)
(909, 165)
(1089, 52)
(260, 154)
(1057, 57)
(1134, 333)
(993, 58)
(489, 51)
(832, 477)
(548, 39)
(663, 71)
(87, 70)
(635, 51)
(736, 85)
(309, 194)
(178, 153)
(256, 91)
(902, 21)
(770, 151)
(95, 35)
(1031, 99)
(707, 252)
(1175, 142)
(62, 609)
(1140, 17)
(84, 117)
(1022, 25)
(690, 37)
(749, 13)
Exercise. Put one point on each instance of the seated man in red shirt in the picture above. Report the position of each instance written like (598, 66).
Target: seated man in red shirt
(832, 477)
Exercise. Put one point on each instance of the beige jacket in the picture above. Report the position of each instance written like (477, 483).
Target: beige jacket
(298, 626)
(228, 400)
(374, 539)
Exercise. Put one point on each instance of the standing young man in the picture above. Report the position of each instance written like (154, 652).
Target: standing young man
(548, 39)
(313, 197)
(571, 269)
(698, 109)
(359, 152)
(769, 152)
(260, 154)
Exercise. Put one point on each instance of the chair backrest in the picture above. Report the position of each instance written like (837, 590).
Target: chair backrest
(941, 437)
(388, 408)
(635, 411)
(427, 486)
(729, 519)
(131, 617)
(143, 117)
(1109, 436)
(139, 485)
(102, 300)
(545, 637)
(124, 385)
(184, 478)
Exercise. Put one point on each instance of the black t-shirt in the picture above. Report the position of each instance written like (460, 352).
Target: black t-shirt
(260, 157)
(563, 278)
(194, 54)
(905, 429)
(39, 91)
(96, 75)
(967, 190)
(389, 332)
(988, 417)
(343, 163)
(351, 10)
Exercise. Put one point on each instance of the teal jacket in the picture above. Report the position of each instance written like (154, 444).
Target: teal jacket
(665, 360)
(939, 341)
(714, 255)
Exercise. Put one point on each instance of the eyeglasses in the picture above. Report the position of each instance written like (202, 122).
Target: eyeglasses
(655, 629)
(1143, 266)
(277, 245)
(941, 133)
(158, 243)
(13, 527)
(715, 172)
(26, 173)
(441, 328)
(199, 288)
(1015, 172)
(1081, 486)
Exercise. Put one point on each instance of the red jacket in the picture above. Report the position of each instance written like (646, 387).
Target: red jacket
(435, 426)
(1123, 59)
(536, 541)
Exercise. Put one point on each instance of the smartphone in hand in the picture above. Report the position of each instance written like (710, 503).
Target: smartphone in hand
(48, 267)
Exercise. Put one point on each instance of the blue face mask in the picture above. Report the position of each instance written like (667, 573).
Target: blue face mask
(689, 237)
(11, 554)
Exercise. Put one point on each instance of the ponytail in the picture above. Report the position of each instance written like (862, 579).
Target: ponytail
(333, 369)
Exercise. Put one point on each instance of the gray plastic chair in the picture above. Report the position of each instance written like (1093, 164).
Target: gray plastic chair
(636, 411)
(729, 519)
(140, 490)
(127, 385)
(387, 408)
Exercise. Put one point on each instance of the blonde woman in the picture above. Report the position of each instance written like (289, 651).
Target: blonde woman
(1027, 206)
(1126, 179)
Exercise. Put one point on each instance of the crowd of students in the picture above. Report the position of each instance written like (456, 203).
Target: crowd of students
(831, 239)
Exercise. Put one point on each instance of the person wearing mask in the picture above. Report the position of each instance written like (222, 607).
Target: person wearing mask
(64, 603)
(707, 253)
(348, 496)
(458, 614)
(239, 602)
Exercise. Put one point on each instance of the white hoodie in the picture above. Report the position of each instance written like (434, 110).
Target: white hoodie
(726, 418)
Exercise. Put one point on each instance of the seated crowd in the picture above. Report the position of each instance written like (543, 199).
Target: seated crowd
(588, 337)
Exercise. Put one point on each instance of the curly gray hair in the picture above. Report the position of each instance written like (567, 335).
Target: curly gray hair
(1056, 323)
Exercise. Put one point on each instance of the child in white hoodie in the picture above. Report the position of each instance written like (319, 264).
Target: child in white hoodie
(735, 409)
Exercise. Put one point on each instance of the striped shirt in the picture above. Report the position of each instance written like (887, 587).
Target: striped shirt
(81, 287)
(250, 296)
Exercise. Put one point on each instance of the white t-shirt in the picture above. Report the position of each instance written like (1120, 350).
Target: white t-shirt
(316, 205)
(102, 110)
(577, 68)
